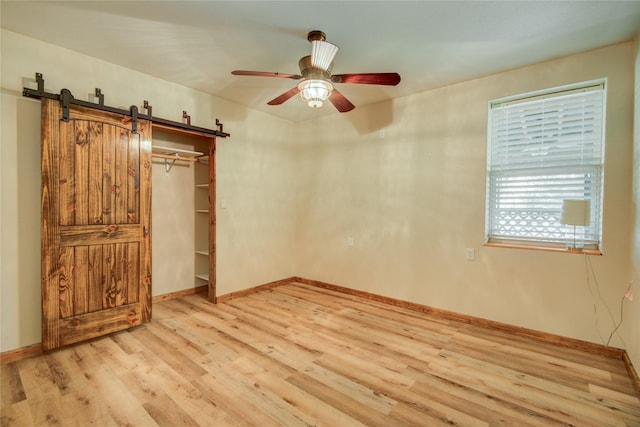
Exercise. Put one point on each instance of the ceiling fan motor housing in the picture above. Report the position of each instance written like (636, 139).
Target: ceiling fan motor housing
(308, 71)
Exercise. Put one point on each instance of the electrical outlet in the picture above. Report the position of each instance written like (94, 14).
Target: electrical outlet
(350, 241)
(471, 254)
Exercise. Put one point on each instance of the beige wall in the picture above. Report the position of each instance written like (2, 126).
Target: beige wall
(255, 174)
(631, 325)
(414, 201)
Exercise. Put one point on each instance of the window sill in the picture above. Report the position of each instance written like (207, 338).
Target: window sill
(595, 252)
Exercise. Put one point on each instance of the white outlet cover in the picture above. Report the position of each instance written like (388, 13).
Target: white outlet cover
(471, 254)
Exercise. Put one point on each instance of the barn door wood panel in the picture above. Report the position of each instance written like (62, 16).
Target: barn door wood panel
(96, 222)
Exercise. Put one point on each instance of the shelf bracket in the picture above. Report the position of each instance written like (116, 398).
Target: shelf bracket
(168, 164)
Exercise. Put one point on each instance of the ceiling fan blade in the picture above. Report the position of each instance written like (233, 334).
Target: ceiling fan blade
(389, 79)
(341, 103)
(266, 74)
(285, 96)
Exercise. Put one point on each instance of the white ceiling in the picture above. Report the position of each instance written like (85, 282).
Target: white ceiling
(430, 44)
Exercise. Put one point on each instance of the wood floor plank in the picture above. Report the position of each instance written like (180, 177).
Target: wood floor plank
(65, 372)
(321, 412)
(176, 341)
(450, 416)
(520, 391)
(85, 357)
(166, 413)
(362, 394)
(126, 342)
(37, 379)
(12, 389)
(47, 410)
(239, 377)
(117, 359)
(555, 369)
(575, 355)
(578, 397)
(84, 407)
(122, 405)
(602, 392)
(300, 355)
(186, 396)
(243, 412)
(268, 344)
(412, 416)
(17, 414)
(342, 402)
(481, 405)
(401, 393)
(178, 361)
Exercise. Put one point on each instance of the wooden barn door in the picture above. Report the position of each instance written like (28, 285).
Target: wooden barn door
(96, 224)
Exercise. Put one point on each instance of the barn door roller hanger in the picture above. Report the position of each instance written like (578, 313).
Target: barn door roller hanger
(66, 99)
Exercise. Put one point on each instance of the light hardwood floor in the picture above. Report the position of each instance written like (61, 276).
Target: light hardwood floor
(299, 355)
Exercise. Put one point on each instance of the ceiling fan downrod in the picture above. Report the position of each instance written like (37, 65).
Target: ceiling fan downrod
(316, 35)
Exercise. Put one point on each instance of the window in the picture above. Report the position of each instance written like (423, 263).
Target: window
(544, 148)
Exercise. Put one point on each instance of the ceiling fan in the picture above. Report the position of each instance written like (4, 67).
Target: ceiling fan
(317, 82)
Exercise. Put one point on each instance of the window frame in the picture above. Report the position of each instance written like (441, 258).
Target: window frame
(528, 242)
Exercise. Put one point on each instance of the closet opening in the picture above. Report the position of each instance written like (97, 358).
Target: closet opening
(183, 214)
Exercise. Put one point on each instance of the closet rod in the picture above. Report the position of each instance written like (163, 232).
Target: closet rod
(175, 154)
(176, 157)
(66, 98)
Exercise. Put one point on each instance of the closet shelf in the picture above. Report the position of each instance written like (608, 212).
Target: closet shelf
(175, 154)
(204, 250)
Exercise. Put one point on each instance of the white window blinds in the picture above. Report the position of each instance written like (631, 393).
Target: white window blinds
(543, 150)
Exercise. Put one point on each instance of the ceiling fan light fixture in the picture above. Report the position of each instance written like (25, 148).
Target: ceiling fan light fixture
(314, 92)
(322, 54)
